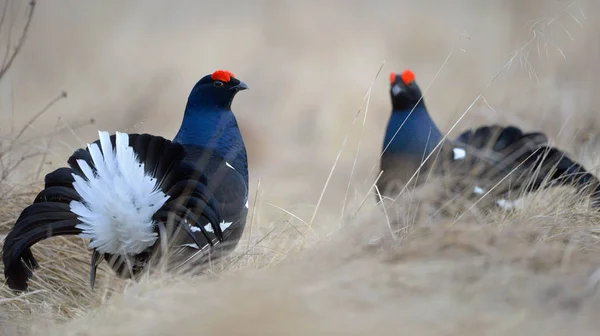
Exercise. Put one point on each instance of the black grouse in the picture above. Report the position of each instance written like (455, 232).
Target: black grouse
(500, 159)
(130, 193)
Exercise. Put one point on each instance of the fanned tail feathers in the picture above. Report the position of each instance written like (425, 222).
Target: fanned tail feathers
(118, 198)
(149, 186)
(118, 192)
(504, 160)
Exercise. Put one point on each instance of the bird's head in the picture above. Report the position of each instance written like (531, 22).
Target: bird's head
(404, 91)
(216, 90)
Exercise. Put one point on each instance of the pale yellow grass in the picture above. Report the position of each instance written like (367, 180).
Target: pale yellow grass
(527, 274)
(309, 65)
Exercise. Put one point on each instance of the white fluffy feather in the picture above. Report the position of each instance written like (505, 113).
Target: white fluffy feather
(459, 153)
(507, 205)
(478, 190)
(118, 201)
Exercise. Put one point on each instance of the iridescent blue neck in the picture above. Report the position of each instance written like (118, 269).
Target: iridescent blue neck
(418, 136)
(216, 128)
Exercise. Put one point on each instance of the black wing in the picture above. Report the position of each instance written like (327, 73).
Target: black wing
(222, 190)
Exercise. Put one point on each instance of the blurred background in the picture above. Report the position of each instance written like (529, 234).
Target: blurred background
(309, 64)
(130, 65)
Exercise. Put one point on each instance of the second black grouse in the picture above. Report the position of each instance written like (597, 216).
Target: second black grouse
(500, 159)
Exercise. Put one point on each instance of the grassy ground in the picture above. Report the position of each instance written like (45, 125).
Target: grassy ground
(307, 266)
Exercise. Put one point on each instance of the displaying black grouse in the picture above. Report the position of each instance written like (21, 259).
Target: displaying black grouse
(499, 159)
(126, 192)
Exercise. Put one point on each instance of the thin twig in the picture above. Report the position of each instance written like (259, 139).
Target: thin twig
(36, 116)
(6, 66)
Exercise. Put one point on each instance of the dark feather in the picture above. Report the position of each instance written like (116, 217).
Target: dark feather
(509, 160)
(17, 257)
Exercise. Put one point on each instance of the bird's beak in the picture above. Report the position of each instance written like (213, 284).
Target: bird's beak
(240, 87)
(396, 89)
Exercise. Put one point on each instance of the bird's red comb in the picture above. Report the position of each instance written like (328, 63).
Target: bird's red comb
(392, 77)
(407, 77)
(222, 75)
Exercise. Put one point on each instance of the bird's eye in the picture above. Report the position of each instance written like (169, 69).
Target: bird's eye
(218, 84)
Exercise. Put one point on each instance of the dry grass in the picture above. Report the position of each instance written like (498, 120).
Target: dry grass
(520, 276)
(298, 271)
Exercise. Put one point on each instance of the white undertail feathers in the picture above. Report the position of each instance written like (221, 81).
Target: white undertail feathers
(118, 200)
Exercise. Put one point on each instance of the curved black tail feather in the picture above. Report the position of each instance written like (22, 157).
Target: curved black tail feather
(48, 216)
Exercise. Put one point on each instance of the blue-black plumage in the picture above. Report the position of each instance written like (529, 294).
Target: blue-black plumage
(126, 192)
(485, 155)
